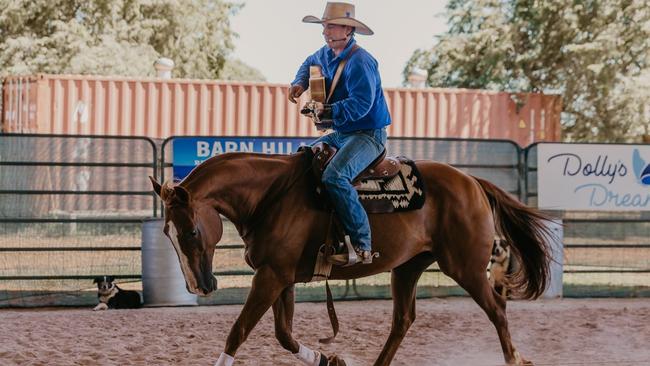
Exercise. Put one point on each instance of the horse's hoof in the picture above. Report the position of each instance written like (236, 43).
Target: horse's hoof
(335, 361)
(521, 361)
(518, 360)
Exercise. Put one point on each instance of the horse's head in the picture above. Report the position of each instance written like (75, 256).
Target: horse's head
(194, 229)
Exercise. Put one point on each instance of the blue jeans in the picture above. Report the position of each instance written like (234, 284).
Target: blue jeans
(356, 150)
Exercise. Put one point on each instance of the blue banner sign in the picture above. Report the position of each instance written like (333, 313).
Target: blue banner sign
(189, 152)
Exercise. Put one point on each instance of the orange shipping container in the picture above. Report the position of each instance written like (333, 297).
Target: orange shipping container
(159, 108)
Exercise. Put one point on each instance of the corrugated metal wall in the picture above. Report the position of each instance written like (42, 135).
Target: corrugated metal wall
(159, 108)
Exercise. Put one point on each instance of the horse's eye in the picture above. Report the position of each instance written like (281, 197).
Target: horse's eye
(194, 232)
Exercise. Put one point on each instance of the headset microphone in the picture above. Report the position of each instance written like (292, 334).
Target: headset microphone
(342, 39)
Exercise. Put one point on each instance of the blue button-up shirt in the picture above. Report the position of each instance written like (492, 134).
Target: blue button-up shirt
(358, 101)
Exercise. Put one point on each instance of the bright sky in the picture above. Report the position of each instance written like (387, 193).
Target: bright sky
(274, 40)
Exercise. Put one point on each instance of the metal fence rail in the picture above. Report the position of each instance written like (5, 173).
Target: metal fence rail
(72, 207)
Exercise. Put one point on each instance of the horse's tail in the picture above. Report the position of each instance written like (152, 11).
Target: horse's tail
(524, 229)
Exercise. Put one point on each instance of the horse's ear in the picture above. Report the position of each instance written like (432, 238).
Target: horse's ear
(167, 193)
(156, 185)
(173, 194)
(182, 194)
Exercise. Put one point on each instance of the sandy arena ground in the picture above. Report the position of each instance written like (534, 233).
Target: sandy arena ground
(451, 331)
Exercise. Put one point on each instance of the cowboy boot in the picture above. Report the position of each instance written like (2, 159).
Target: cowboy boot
(362, 256)
(365, 256)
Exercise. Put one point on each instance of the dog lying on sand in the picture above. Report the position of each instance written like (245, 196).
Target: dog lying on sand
(112, 297)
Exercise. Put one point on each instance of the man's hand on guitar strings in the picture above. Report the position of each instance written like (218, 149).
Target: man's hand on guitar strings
(324, 111)
(312, 108)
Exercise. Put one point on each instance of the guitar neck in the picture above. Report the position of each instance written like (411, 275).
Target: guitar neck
(317, 84)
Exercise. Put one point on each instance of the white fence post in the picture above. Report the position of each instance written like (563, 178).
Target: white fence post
(555, 242)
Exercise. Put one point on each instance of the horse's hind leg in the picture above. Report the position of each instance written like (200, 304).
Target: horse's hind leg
(403, 285)
(473, 279)
(283, 315)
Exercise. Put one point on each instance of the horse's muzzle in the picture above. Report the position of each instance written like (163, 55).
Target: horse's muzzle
(204, 288)
(213, 286)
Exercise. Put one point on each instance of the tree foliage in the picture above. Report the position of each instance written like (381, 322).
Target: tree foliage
(116, 37)
(235, 69)
(595, 53)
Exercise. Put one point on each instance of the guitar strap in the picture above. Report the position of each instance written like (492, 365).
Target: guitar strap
(339, 71)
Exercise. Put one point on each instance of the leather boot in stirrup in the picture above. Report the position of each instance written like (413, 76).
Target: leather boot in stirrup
(352, 255)
(364, 256)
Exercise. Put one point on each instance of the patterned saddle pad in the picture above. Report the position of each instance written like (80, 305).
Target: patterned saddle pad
(403, 192)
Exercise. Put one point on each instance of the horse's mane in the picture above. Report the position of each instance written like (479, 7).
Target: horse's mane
(214, 162)
(290, 169)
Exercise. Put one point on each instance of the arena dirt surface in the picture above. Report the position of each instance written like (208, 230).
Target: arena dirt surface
(450, 331)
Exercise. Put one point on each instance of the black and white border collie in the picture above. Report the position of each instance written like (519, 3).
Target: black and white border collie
(112, 297)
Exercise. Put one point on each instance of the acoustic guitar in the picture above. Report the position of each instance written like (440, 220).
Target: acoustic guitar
(317, 93)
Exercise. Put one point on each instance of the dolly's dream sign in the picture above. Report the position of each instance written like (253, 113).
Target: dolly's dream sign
(593, 177)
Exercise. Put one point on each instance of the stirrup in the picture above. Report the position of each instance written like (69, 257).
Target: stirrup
(346, 259)
(352, 256)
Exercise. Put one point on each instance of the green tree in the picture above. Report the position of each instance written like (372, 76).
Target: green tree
(595, 53)
(235, 69)
(115, 37)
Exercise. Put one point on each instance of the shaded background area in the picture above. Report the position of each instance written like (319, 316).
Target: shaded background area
(72, 208)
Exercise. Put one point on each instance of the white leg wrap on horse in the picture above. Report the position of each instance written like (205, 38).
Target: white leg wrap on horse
(307, 356)
(225, 360)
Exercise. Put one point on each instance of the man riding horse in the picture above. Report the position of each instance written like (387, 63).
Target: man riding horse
(270, 199)
(356, 110)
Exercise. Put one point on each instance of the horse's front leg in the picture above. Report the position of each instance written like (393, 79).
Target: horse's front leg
(283, 314)
(265, 289)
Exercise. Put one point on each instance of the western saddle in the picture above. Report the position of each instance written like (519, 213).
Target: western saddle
(380, 168)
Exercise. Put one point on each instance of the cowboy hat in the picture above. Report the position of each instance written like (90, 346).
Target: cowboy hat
(341, 14)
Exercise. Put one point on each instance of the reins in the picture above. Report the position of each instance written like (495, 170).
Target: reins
(330, 301)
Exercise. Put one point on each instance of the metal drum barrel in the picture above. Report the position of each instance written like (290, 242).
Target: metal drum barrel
(163, 283)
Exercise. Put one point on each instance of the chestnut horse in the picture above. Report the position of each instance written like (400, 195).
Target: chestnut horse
(271, 201)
